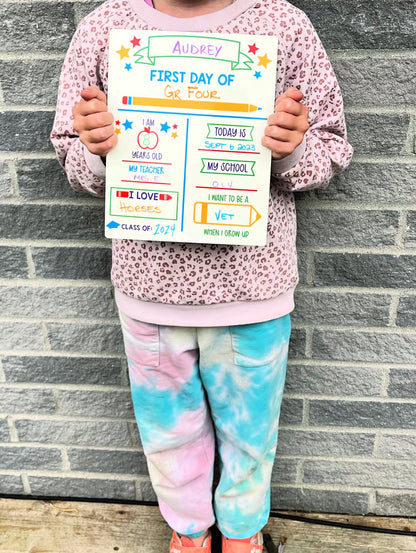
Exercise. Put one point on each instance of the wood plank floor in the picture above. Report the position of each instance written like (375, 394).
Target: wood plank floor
(32, 526)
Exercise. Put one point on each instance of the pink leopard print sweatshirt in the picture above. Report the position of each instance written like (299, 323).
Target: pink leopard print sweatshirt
(211, 285)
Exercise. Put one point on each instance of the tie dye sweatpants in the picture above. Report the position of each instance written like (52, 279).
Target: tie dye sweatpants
(191, 386)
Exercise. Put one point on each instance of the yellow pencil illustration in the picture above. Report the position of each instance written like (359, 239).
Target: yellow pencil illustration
(230, 215)
(188, 104)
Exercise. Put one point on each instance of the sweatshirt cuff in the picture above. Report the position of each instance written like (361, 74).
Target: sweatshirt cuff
(282, 165)
(94, 163)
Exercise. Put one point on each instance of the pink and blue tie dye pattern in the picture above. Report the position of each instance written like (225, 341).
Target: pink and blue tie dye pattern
(187, 380)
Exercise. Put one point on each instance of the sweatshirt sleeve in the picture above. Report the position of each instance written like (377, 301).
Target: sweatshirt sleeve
(85, 171)
(324, 150)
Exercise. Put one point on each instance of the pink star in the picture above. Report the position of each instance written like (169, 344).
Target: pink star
(252, 48)
(136, 42)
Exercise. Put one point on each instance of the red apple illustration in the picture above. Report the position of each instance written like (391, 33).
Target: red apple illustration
(147, 139)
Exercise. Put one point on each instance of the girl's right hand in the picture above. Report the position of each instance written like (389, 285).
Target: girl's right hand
(93, 122)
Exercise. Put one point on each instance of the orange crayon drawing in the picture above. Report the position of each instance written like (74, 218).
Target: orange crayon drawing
(230, 215)
(188, 104)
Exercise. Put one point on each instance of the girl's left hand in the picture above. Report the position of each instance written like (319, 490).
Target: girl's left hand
(288, 124)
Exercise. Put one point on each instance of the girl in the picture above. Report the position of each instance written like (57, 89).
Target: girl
(207, 327)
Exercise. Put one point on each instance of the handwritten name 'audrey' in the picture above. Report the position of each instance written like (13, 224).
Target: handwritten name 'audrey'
(188, 48)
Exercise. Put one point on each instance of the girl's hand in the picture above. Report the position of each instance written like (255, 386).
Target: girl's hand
(93, 122)
(288, 124)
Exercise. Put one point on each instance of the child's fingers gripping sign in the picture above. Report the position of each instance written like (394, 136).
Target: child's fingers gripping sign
(93, 122)
(287, 126)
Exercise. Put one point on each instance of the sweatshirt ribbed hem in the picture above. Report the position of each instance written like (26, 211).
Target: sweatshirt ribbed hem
(219, 314)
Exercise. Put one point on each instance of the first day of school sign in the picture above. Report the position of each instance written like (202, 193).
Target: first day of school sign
(190, 112)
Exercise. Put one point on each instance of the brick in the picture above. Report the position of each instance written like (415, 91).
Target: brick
(80, 432)
(324, 501)
(51, 30)
(362, 414)
(378, 75)
(13, 262)
(89, 338)
(284, 471)
(23, 400)
(311, 443)
(134, 435)
(63, 370)
(21, 336)
(74, 488)
(344, 227)
(4, 430)
(72, 263)
(364, 346)
(113, 404)
(11, 485)
(82, 487)
(53, 222)
(30, 82)
(395, 504)
(375, 474)
(410, 239)
(43, 178)
(29, 458)
(292, 411)
(147, 492)
(402, 383)
(363, 24)
(389, 183)
(108, 461)
(26, 130)
(297, 346)
(332, 380)
(57, 302)
(368, 270)
(377, 134)
(341, 309)
(5, 181)
(397, 447)
(302, 266)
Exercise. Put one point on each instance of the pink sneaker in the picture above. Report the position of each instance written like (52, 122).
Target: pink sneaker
(183, 544)
(248, 545)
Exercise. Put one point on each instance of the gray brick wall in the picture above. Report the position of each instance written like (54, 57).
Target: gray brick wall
(348, 431)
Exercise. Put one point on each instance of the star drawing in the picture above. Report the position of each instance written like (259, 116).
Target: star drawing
(174, 135)
(263, 60)
(128, 66)
(257, 74)
(175, 126)
(117, 131)
(127, 124)
(135, 41)
(123, 52)
(164, 127)
(117, 122)
(252, 48)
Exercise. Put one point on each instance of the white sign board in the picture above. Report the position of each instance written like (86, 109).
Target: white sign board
(190, 112)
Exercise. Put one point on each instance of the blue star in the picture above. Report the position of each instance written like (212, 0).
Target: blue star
(127, 124)
(257, 74)
(164, 127)
(128, 66)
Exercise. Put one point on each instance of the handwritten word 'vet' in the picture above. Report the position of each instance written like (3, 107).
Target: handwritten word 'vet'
(193, 49)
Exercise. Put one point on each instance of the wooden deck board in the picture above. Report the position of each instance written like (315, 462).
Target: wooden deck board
(31, 526)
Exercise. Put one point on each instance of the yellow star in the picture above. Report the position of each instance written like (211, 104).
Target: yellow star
(263, 60)
(124, 52)
(174, 135)
(117, 131)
